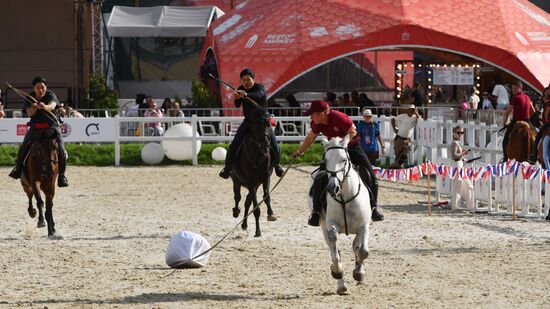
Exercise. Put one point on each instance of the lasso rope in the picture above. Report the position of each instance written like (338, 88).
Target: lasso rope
(244, 218)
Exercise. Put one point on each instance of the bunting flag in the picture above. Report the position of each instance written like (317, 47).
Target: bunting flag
(511, 167)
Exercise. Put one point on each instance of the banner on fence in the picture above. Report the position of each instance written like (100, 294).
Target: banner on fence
(86, 130)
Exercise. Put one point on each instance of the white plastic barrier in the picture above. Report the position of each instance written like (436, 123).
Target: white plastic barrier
(503, 194)
(483, 193)
(546, 198)
(533, 198)
(443, 184)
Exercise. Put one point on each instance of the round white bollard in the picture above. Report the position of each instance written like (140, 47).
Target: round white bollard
(179, 150)
(219, 154)
(152, 154)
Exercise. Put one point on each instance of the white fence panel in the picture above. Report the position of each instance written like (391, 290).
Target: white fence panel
(483, 193)
(503, 192)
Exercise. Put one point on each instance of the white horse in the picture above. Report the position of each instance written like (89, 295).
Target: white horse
(348, 210)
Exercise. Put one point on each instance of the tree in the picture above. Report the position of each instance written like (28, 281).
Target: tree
(99, 95)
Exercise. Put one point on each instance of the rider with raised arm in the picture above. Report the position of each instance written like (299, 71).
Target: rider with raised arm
(258, 94)
(41, 118)
(336, 124)
(521, 109)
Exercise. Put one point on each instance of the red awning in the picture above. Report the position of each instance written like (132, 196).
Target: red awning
(281, 40)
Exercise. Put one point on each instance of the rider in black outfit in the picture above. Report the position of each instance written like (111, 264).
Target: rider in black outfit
(257, 93)
(41, 119)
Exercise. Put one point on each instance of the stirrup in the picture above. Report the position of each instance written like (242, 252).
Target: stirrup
(278, 170)
(15, 173)
(62, 181)
(225, 173)
(314, 219)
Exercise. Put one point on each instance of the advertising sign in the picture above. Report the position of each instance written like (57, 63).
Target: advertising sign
(453, 76)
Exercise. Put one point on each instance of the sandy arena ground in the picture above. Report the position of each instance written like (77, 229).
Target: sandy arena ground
(116, 224)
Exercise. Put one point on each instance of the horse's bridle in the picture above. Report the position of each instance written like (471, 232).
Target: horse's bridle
(335, 175)
(347, 164)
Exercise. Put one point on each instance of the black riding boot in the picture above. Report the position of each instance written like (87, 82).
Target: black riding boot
(377, 214)
(61, 179)
(16, 172)
(226, 171)
(319, 198)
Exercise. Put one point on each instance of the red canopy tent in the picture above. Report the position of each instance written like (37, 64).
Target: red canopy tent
(282, 40)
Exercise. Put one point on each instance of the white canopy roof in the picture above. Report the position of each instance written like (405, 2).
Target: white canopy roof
(161, 21)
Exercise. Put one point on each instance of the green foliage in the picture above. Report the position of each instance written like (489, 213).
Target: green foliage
(130, 155)
(98, 94)
(202, 97)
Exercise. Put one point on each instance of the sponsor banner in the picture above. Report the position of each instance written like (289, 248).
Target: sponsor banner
(85, 130)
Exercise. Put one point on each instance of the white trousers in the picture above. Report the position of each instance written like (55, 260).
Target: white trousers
(462, 189)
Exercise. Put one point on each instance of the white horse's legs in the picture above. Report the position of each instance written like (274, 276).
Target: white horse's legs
(361, 250)
(336, 269)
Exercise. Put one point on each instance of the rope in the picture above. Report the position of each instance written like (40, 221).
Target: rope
(246, 216)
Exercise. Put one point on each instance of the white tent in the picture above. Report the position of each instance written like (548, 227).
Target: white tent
(161, 21)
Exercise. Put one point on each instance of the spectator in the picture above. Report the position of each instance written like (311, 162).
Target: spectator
(60, 111)
(355, 98)
(143, 102)
(474, 99)
(403, 125)
(417, 96)
(486, 104)
(500, 95)
(464, 106)
(73, 113)
(461, 188)
(2, 112)
(274, 108)
(331, 99)
(365, 101)
(295, 109)
(174, 110)
(166, 105)
(369, 131)
(345, 99)
(153, 128)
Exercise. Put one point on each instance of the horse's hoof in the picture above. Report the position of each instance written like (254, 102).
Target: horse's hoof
(32, 213)
(55, 237)
(244, 227)
(41, 224)
(342, 291)
(336, 271)
(236, 212)
(271, 217)
(258, 234)
(359, 276)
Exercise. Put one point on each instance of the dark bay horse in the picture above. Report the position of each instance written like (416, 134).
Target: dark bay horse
(253, 167)
(520, 142)
(39, 174)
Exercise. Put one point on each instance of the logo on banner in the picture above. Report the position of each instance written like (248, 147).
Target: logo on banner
(66, 130)
(92, 129)
(280, 38)
(405, 36)
(22, 129)
(251, 41)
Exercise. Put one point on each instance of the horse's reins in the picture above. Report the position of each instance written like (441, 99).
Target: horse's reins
(334, 174)
(34, 102)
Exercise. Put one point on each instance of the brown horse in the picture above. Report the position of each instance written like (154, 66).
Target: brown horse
(39, 174)
(520, 142)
